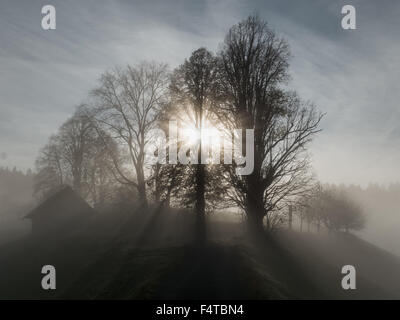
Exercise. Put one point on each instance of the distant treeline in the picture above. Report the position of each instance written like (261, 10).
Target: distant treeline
(16, 189)
(349, 207)
(16, 195)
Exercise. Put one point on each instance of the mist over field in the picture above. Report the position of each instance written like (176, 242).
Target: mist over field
(380, 204)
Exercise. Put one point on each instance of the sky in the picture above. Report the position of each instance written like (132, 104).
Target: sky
(351, 75)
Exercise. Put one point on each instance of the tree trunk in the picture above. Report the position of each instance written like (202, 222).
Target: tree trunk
(200, 204)
(167, 201)
(254, 202)
(255, 212)
(76, 183)
(255, 224)
(290, 217)
(157, 183)
(141, 186)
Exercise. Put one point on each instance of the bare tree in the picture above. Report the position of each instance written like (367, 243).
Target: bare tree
(341, 213)
(49, 168)
(254, 66)
(313, 206)
(77, 143)
(99, 176)
(125, 106)
(76, 156)
(194, 87)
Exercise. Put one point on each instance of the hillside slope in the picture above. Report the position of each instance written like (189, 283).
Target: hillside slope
(138, 256)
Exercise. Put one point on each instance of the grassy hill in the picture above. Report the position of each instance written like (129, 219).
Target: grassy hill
(149, 255)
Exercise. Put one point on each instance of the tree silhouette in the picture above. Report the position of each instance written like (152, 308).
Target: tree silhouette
(254, 67)
(125, 106)
(193, 89)
(75, 156)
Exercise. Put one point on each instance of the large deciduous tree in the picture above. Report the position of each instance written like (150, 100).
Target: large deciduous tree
(194, 88)
(75, 156)
(126, 103)
(50, 168)
(254, 64)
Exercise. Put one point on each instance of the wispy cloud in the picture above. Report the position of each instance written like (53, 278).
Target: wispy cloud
(351, 75)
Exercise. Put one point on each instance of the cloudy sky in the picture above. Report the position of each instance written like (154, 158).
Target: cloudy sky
(352, 75)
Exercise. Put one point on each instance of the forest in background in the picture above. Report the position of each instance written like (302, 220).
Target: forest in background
(16, 200)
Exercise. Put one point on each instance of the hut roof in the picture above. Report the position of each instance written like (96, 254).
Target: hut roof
(64, 202)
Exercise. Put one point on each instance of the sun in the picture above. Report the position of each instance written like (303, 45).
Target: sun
(190, 135)
(213, 135)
